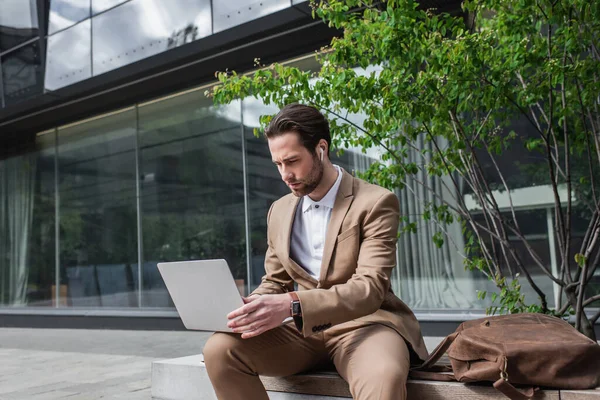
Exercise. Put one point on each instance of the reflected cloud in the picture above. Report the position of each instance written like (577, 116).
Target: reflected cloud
(18, 22)
(102, 5)
(68, 58)
(142, 28)
(65, 13)
(19, 14)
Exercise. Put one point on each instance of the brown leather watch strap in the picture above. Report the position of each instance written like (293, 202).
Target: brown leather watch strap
(298, 321)
(294, 296)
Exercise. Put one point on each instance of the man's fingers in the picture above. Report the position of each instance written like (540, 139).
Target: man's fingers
(250, 299)
(246, 309)
(260, 330)
(245, 320)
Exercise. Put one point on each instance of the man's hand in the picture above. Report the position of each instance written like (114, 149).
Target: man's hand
(260, 314)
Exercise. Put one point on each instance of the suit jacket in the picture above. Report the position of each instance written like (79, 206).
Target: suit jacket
(358, 258)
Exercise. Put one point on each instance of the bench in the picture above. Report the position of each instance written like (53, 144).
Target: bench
(185, 378)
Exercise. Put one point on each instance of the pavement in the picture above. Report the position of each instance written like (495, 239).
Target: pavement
(81, 364)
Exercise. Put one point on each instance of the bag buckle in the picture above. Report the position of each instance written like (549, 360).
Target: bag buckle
(503, 373)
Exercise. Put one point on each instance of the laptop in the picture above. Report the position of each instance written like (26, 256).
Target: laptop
(203, 291)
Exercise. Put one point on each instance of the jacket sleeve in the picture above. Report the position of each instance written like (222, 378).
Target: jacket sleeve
(362, 294)
(276, 279)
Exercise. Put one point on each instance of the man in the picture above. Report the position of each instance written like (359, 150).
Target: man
(335, 237)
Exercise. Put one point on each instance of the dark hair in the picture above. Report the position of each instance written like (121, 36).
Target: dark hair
(306, 121)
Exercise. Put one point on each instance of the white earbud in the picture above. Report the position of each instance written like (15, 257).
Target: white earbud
(322, 151)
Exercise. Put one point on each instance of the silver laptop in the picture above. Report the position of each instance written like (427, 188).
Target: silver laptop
(203, 291)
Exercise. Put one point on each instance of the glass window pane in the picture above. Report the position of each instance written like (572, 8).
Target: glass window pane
(103, 5)
(264, 185)
(98, 212)
(68, 60)
(22, 74)
(65, 13)
(150, 27)
(18, 22)
(192, 195)
(230, 13)
(27, 219)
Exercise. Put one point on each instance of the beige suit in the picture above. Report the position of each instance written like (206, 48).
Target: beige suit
(352, 294)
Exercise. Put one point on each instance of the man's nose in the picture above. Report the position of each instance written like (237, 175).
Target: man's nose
(286, 174)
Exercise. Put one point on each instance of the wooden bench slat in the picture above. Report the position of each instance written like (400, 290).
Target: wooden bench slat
(331, 384)
(324, 384)
(580, 394)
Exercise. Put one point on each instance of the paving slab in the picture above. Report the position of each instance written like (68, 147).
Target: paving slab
(79, 364)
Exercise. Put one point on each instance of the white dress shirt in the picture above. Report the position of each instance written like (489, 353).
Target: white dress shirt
(310, 228)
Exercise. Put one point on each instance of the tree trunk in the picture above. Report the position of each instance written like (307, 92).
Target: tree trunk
(586, 327)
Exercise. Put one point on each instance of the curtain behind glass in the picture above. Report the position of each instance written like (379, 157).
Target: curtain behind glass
(431, 277)
(17, 179)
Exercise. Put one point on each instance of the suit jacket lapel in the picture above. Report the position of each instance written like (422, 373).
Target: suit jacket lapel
(342, 203)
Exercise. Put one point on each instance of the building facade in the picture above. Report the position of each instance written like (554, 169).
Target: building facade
(112, 158)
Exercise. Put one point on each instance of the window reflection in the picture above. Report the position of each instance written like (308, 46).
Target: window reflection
(18, 22)
(103, 5)
(230, 13)
(68, 56)
(264, 184)
(142, 28)
(192, 193)
(22, 74)
(98, 212)
(65, 13)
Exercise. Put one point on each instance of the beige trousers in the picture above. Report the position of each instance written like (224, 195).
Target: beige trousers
(373, 359)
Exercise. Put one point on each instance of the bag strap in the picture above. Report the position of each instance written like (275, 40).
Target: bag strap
(438, 352)
(512, 392)
(428, 370)
(432, 376)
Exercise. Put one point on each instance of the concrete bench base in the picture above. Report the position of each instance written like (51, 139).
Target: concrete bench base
(186, 379)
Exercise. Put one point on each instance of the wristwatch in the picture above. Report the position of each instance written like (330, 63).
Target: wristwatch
(296, 310)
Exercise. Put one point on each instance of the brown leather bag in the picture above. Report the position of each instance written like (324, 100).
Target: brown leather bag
(524, 349)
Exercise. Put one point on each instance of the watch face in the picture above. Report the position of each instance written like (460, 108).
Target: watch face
(296, 308)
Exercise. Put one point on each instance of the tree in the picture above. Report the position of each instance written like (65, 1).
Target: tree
(451, 88)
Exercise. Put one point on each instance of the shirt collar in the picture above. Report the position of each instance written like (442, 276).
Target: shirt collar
(329, 199)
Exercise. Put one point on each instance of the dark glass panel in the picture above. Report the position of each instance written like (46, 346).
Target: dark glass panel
(68, 59)
(264, 185)
(140, 29)
(98, 212)
(18, 22)
(192, 196)
(66, 13)
(22, 74)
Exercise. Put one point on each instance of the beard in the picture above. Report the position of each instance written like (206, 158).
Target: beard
(310, 183)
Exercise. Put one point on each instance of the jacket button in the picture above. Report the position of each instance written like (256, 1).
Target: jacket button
(314, 329)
